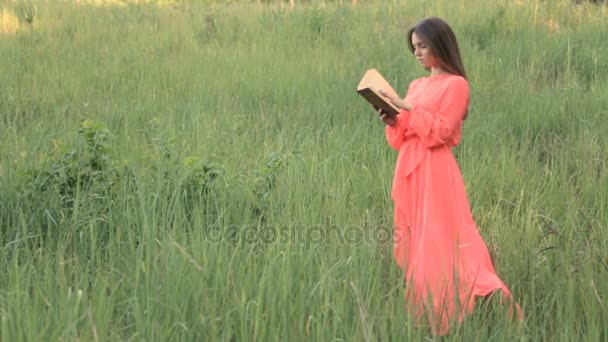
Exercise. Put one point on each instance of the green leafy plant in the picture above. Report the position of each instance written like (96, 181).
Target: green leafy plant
(189, 180)
(86, 168)
(76, 183)
(266, 178)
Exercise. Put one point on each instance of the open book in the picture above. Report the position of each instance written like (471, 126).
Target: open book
(369, 87)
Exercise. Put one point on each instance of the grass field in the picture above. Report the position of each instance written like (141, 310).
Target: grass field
(206, 171)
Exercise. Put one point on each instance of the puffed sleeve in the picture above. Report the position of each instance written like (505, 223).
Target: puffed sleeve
(445, 125)
(395, 135)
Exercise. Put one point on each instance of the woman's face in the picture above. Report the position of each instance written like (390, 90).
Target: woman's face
(423, 53)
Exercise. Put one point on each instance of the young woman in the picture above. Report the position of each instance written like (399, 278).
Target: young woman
(436, 241)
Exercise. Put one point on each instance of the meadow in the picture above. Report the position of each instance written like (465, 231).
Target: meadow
(206, 171)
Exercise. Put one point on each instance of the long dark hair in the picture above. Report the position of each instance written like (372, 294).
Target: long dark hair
(442, 42)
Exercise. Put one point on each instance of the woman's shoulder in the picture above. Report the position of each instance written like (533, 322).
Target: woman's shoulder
(440, 84)
(457, 80)
(451, 82)
(451, 79)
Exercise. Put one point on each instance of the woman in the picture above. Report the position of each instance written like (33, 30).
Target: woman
(436, 241)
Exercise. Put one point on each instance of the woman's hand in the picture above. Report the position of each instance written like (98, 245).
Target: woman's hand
(395, 100)
(387, 119)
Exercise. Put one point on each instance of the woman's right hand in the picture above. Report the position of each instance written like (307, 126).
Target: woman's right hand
(387, 119)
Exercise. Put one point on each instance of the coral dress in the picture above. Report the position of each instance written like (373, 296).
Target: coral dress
(436, 241)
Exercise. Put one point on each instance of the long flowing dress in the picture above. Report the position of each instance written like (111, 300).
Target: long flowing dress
(436, 242)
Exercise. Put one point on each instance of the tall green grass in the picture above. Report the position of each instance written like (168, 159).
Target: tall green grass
(240, 188)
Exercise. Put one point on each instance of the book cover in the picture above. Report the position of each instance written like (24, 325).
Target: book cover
(369, 87)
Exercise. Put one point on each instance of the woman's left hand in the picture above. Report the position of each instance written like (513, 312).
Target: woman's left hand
(395, 100)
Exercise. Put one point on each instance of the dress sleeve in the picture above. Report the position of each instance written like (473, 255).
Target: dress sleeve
(395, 135)
(445, 125)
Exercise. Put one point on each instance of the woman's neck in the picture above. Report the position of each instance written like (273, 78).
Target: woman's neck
(437, 70)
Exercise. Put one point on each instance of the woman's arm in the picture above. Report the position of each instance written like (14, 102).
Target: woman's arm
(395, 134)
